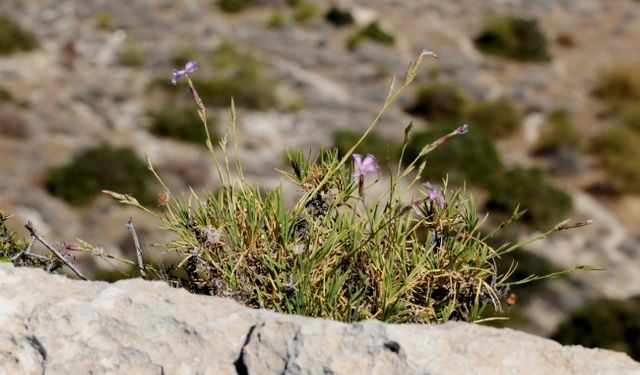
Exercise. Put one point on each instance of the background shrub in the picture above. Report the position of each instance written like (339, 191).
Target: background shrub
(618, 149)
(472, 158)
(604, 323)
(439, 102)
(181, 123)
(499, 118)
(102, 167)
(373, 144)
(233, 6)
(373, 31)
(514, 38)
(238, 75)
(618, 86)
(546, 205)
(305, 11)
(14, 38)
(339, 17)
(277, 20)
(630, 116)
(557, 132)
(132, 54)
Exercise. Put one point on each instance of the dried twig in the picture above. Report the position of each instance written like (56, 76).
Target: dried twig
(138, 248)
(32, 231)
(25, 251)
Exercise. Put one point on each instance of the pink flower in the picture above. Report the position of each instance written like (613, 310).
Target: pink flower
(188, 69)
(433, 194)
(364, 167)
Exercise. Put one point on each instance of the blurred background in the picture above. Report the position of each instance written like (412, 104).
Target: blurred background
(551, 89)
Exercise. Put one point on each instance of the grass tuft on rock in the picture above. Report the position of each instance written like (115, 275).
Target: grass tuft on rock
(515, 38)
(14, 38)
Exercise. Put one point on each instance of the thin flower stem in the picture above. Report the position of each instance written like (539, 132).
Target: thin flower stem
(136, 242)
(32, 231)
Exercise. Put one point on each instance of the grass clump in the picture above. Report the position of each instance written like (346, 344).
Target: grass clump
(438, 102)
(234, 6)
(618, 87)
(630, 116)
(472, 158)
(559, 131)
(278, 20)
(181, 123)
(499, 118)
(13, 38)
(604, 323)
(528, 189)
(514, 38)
(99, 168)
(339, 17)
(239, 75)
(334, 253)
(618, 149)
(373, 31)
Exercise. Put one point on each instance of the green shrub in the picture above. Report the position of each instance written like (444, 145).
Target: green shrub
(181, 123)
(238, 75)
(339, 17)
(515, 38)
(132, 54)
(100, 168)
(373, 31)
(604, 323)
(305, 11)
(472, 158)
(14, 38)
(546, 205)
(439, 102)
(499, 118)
(618, 150)
(559, 131)
(630, 116)
(374, 144)
(277, 20)
(234, 6)
(618, 86)
(5, 96)
(104, 20)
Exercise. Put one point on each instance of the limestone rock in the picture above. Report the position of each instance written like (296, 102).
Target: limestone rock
(55, 325)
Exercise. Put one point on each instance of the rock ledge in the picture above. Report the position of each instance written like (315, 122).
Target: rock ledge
(54, 325)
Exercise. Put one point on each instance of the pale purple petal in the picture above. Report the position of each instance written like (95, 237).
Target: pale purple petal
(364, 167)
(189, 68)
(433, 194)
(462, 129)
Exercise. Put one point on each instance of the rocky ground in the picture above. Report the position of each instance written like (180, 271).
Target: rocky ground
(58, 326)
(72, 93)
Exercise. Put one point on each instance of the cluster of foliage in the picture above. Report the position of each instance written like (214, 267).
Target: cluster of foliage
(375, 144)
(618, 149)
(499, 118)
(339, 17)
(239, 75)
(514, 38)
(472, 158)
(372, 31)
(545, 204)
(618, 87)
(181, 123)
(604, 323)
(559, 131)
(14, 38)
(234, 6)
(132, 54)
(99, 168)
(18, 251)
(336, 254)
(439, 102)
(617, 146)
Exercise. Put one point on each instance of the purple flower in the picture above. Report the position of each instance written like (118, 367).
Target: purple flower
(188, 69)
(462, 129)
(364, 167)
(433, 194)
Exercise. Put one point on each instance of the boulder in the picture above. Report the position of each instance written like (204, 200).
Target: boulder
(51, 324)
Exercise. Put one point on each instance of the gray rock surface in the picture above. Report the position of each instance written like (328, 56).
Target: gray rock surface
(55, 325)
